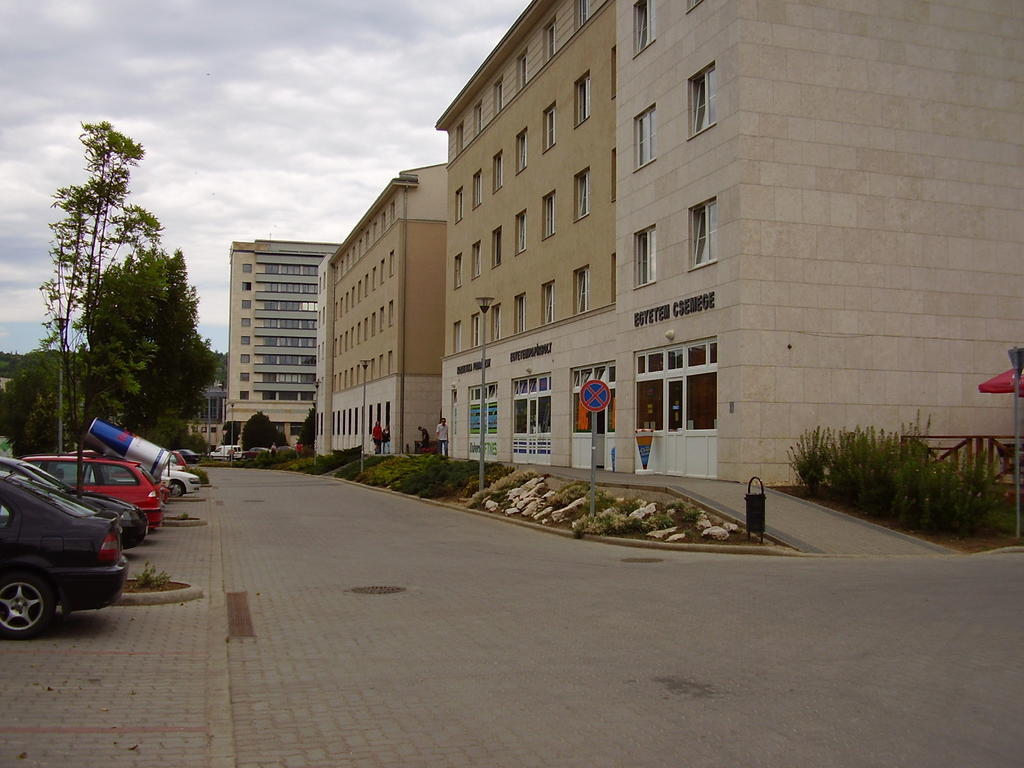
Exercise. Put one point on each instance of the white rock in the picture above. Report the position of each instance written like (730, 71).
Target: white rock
(662, 533)
(730, 527)
(550, 494)
(676, 537)
(716, 532)
(490, 505)
(703, 523)
(531, 508)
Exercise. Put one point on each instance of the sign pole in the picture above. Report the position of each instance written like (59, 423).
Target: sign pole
(593, 461)
(595, 396)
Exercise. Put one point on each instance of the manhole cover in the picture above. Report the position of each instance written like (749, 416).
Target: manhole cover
(641, 559)
(376, 590)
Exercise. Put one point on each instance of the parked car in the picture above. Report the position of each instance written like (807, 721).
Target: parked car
(125, 480)
(225, 452)
(189, 457)
(177, 480)
(252, 453)
(36, 578)
(133, 521)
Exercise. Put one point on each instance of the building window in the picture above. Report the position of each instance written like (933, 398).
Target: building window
(245, 340)
(522, 72)
(550, 40)
(520, 313)
(458, 204)
(643, 27)
(520, 231)
(582, 12)
(581, 290)
(583, 98)
(457, 336)
(457, 271)
(496, 247)
(644, 256)
(521, 151)
(478, 117)
(548, 135)
(244, 359)
(498, 171)
(702, 99)
(495, 322)
(644, 137)
(459, 138)
(391, 313)
(475, 265)
(499, 96)
(548, 205)
(692, 4)
(474, 325)
(547, 298)
(478, 188)
(582, 193)
(704, 221)
(246, 286)
(247, 267)
(246, 303)
(246, 322)
(243, 376)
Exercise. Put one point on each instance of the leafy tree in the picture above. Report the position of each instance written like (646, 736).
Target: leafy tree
(259, 431)
(97, 223)
(28, 406)
(159, 323)
(307, 436)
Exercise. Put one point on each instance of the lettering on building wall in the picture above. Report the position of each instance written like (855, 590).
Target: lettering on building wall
(471, 367)
(534, 351)
(679, 308)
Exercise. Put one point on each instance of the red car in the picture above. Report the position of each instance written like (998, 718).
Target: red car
(121, 479)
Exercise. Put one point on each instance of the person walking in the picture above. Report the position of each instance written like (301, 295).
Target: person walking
(386, 438)
(378, 437)
(442, 437)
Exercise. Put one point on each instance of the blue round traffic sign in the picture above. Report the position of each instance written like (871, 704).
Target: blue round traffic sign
(595, 395)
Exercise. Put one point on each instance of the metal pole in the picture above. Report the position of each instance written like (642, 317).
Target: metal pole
(1017, 360)
(484, 303)
(593, 460)
(362, 420)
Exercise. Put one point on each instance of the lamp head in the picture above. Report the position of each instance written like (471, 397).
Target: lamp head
(484, 302)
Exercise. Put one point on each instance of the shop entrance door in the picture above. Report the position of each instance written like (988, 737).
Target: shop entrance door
(531, 438)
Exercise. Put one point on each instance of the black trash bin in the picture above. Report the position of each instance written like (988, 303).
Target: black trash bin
(755, 509)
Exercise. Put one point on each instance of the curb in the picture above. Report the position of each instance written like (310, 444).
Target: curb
(722, 549)
(160, 598)
(192, 522)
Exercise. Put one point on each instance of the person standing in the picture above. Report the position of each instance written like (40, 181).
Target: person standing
(442, 437)
(386, 438)
(378, 437)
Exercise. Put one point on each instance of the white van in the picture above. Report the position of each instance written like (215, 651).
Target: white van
(225, 452)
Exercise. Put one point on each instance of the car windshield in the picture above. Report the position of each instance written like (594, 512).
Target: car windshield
(147, 474)
(51, 495)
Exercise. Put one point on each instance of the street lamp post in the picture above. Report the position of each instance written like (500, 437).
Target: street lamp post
(484, 302)
(316, 421)
(1017, 361)
(362, 420)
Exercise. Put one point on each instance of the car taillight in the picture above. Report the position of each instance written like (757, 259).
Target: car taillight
(110, 549)
(152, 494)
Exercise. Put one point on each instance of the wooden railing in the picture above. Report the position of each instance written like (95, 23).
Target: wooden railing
(996, 447)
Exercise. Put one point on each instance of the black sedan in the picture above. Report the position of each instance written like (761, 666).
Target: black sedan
(52, 554)
(134, 524)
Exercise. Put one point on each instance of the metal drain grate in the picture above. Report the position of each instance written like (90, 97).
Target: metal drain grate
(239, 617)
(376, 590)
(641, 560)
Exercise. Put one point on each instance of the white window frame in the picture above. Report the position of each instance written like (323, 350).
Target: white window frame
(499, 95)
(550, 40)
(520, 232)
(457, 271)
(644, 257)
(459, 205)
(474, 263)
(581, 281)
(548, 206)
(704, 224)
(547, 298)
(643, 24)
(583, 99)
(645, 134)
(582, 12)
(550, 123)
(519, 316)
(460, 138)
(498, 171)
(495, 313)
(478, 116)
(496, 236)
(474, 326)
(582, 193)
(522, 69)
(457, 336)
(522, 150)
(702, 100)
(478, 188)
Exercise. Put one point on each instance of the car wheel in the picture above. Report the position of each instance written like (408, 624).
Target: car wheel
(177, 488)
(27, 605)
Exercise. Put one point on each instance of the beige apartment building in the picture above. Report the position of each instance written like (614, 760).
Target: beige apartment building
(381, 318)
(272, 339)
(797, 214)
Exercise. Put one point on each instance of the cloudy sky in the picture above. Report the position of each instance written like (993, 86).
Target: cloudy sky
(260, 118)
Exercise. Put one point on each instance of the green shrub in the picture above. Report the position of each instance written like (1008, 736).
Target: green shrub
(150, 579)
(809, 458)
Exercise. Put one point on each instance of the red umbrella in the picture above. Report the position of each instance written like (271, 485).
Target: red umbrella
(1000, 385)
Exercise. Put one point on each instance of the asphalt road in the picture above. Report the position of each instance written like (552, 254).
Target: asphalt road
(512, 648)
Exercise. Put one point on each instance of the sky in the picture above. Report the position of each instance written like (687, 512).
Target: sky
(259, 118)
